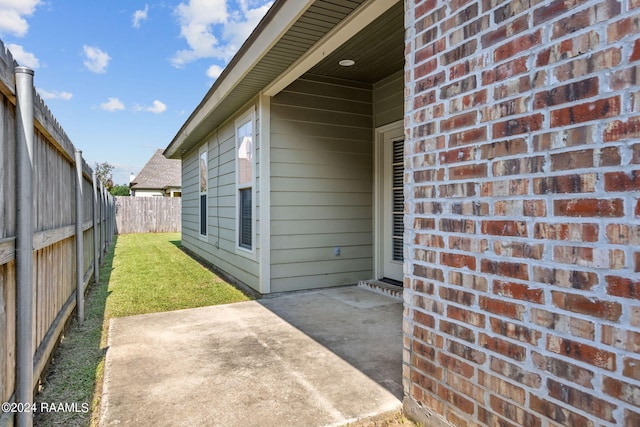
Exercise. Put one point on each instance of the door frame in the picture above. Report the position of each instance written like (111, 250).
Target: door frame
(378, 188)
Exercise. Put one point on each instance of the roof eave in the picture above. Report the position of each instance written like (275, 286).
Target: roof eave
(273, 25)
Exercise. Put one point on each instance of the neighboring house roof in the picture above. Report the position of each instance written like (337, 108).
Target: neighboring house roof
(159, 173)
(292, 39)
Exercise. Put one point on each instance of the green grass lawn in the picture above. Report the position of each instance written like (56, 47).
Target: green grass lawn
(151, 274)
(142, 273)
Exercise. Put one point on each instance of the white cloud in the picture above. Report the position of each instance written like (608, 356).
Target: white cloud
(54, 94)
(140, 15)
(214, 71)
(96, 60)
(112, 104)
(23, 57)
(157, 107)
(215, 28)
(12, 13)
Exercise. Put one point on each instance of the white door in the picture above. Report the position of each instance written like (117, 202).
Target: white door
(390, 211)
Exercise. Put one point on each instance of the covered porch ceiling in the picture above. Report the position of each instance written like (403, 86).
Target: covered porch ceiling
(321, 35)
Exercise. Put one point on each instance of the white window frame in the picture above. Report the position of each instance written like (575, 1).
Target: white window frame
(247, 117)
(203, 150)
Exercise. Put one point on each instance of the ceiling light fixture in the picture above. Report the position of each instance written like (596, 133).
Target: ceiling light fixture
(347, 62)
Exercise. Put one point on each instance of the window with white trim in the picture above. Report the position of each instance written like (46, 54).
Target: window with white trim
(245, 176)
(202, 189)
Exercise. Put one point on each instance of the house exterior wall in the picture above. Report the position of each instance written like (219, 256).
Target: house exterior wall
(522, 272)
(219, 246)
(388, 100)
(321, 184)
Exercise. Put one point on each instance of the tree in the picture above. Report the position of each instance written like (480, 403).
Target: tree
(120, 190)
(103, 172)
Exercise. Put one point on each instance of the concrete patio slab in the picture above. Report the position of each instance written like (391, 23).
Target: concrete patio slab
(318, 358)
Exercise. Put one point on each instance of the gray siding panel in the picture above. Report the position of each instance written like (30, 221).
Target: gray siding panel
(321, 184)
(388, 99)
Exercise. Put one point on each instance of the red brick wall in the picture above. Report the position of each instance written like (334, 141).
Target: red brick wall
(523, 211)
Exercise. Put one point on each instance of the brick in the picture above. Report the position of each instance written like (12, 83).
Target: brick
(466, 387)
(518, 291)
(470, 208)
(577, 159)
(512, 87)
(566, 232)
(536, 207)
(503, 148)
(453, 364)
(586, 18)
(466, 352)
(607, 310)
(631, 419)
(622, 28)
(503, 109)
(517, 46)
(513, 412)
(565, 278)
(460, 52)
(518, 126)
(458, 260)
(424, 224)
(470, 171)
(490, 38)
(564, 138)
(467, 316)
(461, 154)
(575, 183)
(515, 331)
(518, 166)
(622, 181)
(564, 370)
(502, 308)
(581, 400)
(469, 136)
(457, 296)
(595, 110)
(564, 324)
(458, 87)
(575, 255)
(605, 208)
(621, 338)
(610, 156)
(591, 62)
(625, 78)
(459, 121)
(462, 17)
(624, 391)
(505, 228)
(462, 189)
(490, 418)
(505, 71)
(424, 99)
(571, 92)
(468, 101)
(456, 399)
(503, 347)
(518, 249)
(428, 272)
(558, 413)
(631, 368)
(551, 10)
(429, 82)
(468, 244)
(451, 225)
(515, 372)
(472, 29)
(582, 352)
(468, 281)
(505, 269)
(579, 45)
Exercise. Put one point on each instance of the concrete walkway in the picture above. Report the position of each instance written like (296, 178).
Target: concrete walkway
(325, 357)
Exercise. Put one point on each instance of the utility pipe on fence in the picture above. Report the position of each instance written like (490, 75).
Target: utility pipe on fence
(96, 239)
(24, 243)
(79, 240)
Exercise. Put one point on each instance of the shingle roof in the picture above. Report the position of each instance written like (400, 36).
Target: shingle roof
(158, 173)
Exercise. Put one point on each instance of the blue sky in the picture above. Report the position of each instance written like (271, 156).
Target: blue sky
(121, 77)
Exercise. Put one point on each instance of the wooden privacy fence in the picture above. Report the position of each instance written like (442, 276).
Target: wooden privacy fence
(148, 214)
(56, 224)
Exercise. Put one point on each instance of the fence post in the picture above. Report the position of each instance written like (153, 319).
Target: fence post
(79, 240)
(96, 242)
(24, 243)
